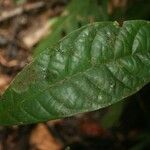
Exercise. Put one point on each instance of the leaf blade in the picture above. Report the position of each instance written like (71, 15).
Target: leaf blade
(91, 68)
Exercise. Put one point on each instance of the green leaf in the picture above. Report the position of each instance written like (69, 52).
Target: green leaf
(19, 1)
(113, 114)
(73, 17)
(91, 68)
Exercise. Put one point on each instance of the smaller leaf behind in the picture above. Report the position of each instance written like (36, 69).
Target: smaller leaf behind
(76, 14)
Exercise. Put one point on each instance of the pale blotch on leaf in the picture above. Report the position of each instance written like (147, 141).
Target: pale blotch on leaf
(24, 80)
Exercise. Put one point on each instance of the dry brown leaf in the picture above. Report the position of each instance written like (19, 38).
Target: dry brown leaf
(91, 128)
(42, 139)
(7, 63)
(33, 36)
(4, 82)
(116, 4)
(54, 122)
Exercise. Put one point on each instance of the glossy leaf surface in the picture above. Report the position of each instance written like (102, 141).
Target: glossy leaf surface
(93, 67)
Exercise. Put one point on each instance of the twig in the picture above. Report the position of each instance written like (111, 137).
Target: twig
(18, 11)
